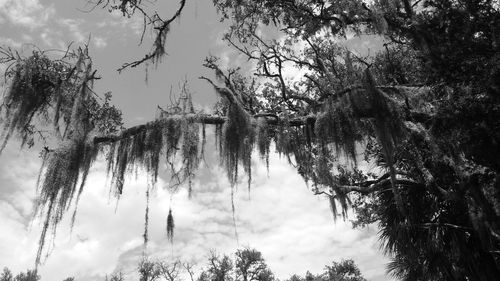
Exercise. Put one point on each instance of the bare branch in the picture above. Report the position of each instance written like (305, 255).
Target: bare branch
(162, 28)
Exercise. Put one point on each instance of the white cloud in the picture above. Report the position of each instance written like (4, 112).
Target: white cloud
(134, 23)
(100, 42)
(47, 38)
(10, 42)
(74, 27)
(28, 13)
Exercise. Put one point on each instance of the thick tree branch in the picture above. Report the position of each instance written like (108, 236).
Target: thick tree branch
(211, 119)
(200, 118)
(369, 187)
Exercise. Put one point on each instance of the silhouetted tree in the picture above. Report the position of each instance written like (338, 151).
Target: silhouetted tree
(6, 275)
(345, 270)
(29, 275)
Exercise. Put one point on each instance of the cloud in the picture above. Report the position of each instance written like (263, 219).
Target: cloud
(10, 42)
(134, 23)
(49, 37)
(73, 26)
(44, 26)
(100, 42)
(27, 13)
(17, 178)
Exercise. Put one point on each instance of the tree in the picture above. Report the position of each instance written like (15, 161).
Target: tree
(425, 109)
(6, 275)
(117, 276)
(219, 268)
(345, 270)
(30, 275)
(248, 265)
(157, 270)
(148, 270)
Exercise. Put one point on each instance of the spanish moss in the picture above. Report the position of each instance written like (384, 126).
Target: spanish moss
(263, 139)
(65, 168)
(336, 124)
(141, 150)
(173, 134)
(170, 226)
(29, 95)
(238, 140)
(233, 212)
(146, 219)
(191, 159)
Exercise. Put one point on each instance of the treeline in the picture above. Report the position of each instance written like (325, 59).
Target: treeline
(245, 265)
(29, 275)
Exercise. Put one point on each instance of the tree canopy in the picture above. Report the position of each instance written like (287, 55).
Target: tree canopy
(30, 275)
(425, 109)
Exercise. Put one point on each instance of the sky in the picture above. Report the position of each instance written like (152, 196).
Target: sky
(279, 217)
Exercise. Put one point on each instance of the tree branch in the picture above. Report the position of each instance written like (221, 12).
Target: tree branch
(200, 118)
(159, 42)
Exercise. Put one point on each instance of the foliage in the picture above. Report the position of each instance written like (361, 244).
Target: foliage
(250, 266)
(6, 275)
(247, 265)
(117, 276)
(148, 270)
(30, 275)
(345, 270)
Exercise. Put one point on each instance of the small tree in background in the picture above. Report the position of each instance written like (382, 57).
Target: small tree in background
(117, 276)
(29, 275)
(345, 270)
(6, 275)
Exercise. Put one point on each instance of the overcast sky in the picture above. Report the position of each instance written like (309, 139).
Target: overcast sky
(282, 218)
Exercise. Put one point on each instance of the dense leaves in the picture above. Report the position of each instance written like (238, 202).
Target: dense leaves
(345, 270)
(30, 275)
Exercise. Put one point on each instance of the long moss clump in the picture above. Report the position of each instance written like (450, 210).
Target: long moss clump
(262, 132)
(144, 150)
(238, 142)
(32, 89)
(190, 151)
(337, 124)
(64, 177)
